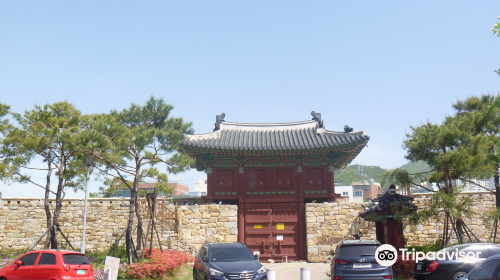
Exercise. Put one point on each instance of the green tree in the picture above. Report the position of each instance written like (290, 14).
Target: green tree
(440, 146)
(496, 31)
(130, 144)
(48, 133)
(484, 149)
(465, 146)
(4, 126)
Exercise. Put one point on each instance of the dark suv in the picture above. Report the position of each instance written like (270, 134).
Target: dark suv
(355, 259)
(221, 261)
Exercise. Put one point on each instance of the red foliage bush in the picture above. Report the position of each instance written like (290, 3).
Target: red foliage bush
(159, 265)
(403, 269)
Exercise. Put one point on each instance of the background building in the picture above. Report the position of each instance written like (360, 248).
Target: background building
(345, 192)
(365, 190)
(201, 187)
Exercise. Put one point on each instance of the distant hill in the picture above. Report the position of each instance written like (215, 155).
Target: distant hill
(416, 167)
(352, 174)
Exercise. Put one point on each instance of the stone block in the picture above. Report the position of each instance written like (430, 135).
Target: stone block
(223, 231)
(228, 213)
(231, 238)
(311, 250)
(310, 219)
(198, 239)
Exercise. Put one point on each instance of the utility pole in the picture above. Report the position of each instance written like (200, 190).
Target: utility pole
(88, 164)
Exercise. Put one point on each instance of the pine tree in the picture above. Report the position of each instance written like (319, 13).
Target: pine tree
(49, 133)
(129, 144)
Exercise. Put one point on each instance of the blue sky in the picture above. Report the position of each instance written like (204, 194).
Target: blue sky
(378, 66)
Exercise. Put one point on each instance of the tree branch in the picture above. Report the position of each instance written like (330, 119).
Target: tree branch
(36, 184)
(474, 183)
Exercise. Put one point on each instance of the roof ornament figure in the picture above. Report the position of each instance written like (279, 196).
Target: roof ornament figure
(392, 189)
(190, 131)
(317, 118)
(347, 129)
(218, 120)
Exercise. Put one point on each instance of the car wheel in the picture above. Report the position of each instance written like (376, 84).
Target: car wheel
(458, 275)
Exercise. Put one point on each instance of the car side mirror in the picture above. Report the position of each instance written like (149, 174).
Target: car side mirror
(256, 256)
(204, 259)
(19, 263)
(332, 252)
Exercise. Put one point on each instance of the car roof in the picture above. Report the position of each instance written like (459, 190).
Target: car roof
(58, 250)
(359, 242)
(467, 245)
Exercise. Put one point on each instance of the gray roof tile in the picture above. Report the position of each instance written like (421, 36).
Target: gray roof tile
(269, 137)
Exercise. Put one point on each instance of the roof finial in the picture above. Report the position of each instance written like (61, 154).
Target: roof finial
(347, 128)
(218, 120)
(392, 188)
(317, 118)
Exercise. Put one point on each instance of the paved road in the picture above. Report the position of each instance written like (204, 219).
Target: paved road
(291, 271)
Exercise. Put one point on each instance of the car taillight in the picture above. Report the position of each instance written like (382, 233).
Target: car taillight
(66, 267)
(341, 261)
(431, 267)
(338, 277)
(387, 277)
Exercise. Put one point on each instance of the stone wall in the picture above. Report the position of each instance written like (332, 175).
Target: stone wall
(206, 223)
(23, 221)
(429, 231)
(329, 223)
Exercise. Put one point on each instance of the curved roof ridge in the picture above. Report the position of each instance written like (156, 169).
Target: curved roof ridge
(267, 126)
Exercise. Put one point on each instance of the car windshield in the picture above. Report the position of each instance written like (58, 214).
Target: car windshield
(358, 250)
(230, 254)
(75, 259)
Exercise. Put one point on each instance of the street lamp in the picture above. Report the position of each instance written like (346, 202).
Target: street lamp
(88, 164)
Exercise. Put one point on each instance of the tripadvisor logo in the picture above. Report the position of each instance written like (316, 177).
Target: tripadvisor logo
(439, 255)
(387, 255)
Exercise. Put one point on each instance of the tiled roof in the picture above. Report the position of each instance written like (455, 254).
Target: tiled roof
(386, 201)
(272, 137)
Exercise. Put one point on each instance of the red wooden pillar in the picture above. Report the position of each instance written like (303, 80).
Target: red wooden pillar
(211, 181)
(395, 235)
(241, 219)
(302, 227)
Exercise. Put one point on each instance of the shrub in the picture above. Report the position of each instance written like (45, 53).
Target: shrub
(159, 265)
(436, 246)
(403, 269)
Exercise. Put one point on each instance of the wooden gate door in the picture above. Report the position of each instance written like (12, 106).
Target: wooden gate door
(285, 230)
(272, 229)
(258, 227)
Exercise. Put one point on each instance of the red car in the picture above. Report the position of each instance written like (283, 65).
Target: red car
(49, 265)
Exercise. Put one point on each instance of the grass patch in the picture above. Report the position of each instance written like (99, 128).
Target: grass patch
(185, 272)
